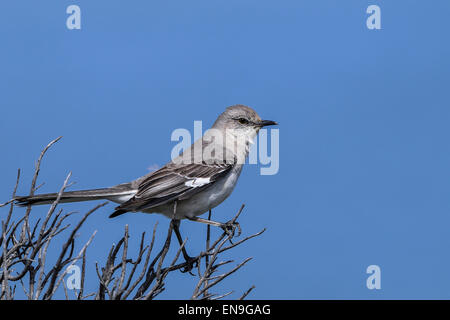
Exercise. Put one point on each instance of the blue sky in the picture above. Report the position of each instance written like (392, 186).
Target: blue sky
(364, 126)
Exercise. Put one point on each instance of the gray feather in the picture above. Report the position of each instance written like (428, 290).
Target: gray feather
(119, 193)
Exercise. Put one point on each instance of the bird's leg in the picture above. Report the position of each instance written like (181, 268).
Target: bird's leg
(176, 228)
(192, 262)
(228, 227)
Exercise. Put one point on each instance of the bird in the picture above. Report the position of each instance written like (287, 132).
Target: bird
(196, 181)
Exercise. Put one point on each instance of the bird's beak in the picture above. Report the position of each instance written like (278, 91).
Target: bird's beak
(264, 123)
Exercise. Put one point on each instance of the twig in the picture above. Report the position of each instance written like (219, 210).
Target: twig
(25, 246)
(246, 293)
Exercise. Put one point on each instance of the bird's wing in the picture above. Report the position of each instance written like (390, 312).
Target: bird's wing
(174, 182)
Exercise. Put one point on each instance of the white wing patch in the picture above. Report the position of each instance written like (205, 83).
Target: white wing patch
(197, 182)
(121, 198)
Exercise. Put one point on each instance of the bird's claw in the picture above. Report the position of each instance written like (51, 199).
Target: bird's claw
(191, 263)
(230, 227)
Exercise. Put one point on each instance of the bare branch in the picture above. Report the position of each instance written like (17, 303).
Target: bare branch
(247, 292)
(24, 254)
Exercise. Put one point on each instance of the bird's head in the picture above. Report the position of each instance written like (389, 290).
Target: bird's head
(242, 120)
(234, 131)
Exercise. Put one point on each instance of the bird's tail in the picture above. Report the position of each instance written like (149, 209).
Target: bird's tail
(120, 193)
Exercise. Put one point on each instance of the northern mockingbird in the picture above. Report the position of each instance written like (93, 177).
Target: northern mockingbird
(199, 179)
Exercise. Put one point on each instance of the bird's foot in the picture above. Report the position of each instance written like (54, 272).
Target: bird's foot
(230, 228)
(191, 263)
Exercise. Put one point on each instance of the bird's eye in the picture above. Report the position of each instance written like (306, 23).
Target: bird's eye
(243, 121)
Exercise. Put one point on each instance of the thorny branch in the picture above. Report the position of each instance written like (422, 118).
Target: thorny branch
(24, 250)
